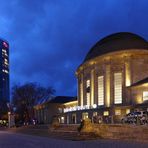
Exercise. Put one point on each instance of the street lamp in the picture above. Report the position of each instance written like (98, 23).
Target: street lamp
(9, 119)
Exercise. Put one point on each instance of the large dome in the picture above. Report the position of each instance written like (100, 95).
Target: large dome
(117, 42)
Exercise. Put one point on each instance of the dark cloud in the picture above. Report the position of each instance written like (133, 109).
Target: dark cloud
(50, 38)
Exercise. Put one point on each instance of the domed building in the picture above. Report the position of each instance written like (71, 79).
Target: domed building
(112, 80)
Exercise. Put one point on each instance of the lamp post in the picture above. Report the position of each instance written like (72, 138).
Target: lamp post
(9, 119)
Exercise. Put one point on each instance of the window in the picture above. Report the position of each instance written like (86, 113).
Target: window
(118, 112)
(88, 92)
(62, 119)
(106, 113)
(5, 71)
(128, 111)
(88, 83)
(84, 115)
(74, 118)
(118, 88)
(4, 52)
(100, 90)
(145, 95)
(81, 93)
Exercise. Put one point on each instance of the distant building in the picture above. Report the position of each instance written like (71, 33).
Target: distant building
(112, 80)
(4, 71)
(46, 111)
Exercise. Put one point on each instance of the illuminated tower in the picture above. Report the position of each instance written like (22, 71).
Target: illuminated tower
(4, 70)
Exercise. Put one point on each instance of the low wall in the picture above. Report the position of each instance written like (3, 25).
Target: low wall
(109, 131)
(113, 131)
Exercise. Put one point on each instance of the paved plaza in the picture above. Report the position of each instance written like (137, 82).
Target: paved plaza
(13, 140)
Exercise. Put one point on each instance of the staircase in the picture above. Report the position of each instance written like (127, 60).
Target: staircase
(69, 132)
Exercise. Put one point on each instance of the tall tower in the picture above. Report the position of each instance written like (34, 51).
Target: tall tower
(4, 71)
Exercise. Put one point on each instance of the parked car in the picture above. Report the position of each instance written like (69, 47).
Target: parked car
(140, 117)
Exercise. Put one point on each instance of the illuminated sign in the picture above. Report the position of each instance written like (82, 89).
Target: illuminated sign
(5, 44)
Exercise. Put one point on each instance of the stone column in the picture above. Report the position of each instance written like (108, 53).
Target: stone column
(92, 88)
(127, 72)
(128, 80)
(82, 90)
(107, 85)
(78, 90)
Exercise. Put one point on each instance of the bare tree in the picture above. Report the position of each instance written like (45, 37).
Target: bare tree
(24, 98)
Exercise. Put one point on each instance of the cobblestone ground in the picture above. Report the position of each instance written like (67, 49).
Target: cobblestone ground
(12, 140)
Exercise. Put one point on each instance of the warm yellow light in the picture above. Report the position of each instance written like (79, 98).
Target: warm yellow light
(92, 87)
(127, 74)
(106, 113)
(127, 111)
(128, 82)
(108, 85)
(139, 99)
(118, 112)
(73, 103)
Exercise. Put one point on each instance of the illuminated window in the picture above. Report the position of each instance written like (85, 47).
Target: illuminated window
(145, 95)
(100, 90)
(106, 113)
(62, 119)
(84, 115)
(5, 44)
(95, 114)
(88, 92)
(118, 88)
(5, 71)
(118, 112)
(81, 93)
(128, 111)
(4, 52)
(88, 83)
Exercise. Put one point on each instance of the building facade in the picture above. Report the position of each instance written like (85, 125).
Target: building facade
(46, 111)
(4, 71)
(112, 80)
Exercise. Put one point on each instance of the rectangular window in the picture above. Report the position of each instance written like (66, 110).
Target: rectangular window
(88, 92)
(81, 93)
(84, 115)
(100, 90)
(62, 120)
(127, 111)
(88, 83)
(117, 88)
(145, 95)
(118, 112)
(106, 113)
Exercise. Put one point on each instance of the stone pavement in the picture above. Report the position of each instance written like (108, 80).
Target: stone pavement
(13, 140)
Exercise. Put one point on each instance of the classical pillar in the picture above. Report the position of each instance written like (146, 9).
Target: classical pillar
(107, 86)
(92, 88)
(81, 91)
(78, 90)
(127, 72)
(128, 80)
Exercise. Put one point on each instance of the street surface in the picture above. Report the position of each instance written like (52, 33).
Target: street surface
(13, 140)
